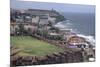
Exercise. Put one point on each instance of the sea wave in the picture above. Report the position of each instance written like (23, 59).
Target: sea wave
(88, 38)
(64, 24)
(67, 25)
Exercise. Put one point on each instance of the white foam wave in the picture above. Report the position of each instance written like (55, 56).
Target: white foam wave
(88, 38)
(69, 25)
(59, 25)
(64, 24)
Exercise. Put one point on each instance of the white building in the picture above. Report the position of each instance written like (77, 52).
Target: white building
(35, 19)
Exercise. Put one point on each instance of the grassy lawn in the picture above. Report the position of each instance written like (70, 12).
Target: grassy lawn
(31, 46)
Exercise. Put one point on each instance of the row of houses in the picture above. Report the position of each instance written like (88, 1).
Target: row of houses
(34, 16)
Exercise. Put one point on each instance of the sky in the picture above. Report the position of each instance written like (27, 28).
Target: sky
(60, 7)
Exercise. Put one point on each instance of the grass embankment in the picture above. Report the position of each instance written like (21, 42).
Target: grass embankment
(33, 47)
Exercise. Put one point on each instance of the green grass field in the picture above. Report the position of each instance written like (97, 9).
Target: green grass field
(31, 46)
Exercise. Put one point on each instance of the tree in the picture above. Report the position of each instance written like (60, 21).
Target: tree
(21, 29)
(60, 18)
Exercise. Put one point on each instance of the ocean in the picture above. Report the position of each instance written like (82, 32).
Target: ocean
(81, 23)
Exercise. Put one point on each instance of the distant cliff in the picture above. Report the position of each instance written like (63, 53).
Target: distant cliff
(59, 16)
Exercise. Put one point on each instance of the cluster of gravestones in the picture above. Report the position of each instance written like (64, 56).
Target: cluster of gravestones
(55, 58)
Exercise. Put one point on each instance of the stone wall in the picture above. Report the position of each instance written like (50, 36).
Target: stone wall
(55, 58)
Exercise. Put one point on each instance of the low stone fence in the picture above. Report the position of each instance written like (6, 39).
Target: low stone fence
(61, 57)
